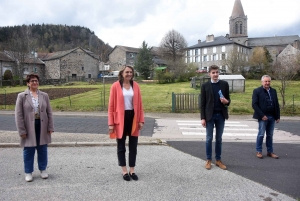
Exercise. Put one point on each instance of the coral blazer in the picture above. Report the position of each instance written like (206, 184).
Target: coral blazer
(116, 109)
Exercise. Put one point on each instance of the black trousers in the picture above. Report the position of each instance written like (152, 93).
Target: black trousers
(133, 141)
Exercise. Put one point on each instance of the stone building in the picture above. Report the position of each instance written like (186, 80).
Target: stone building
(30, 63)
(121, 55)
(76, 63)
(203, 53)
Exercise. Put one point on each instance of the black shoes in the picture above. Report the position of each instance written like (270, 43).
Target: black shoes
(134, 176)
(126, 177)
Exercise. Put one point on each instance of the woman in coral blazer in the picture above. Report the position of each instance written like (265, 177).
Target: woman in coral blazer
(126, 118)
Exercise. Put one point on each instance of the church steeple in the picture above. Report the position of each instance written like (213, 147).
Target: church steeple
(237, 10)
(238, 30)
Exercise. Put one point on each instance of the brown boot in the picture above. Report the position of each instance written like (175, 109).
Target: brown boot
(221, 165)
(273, 155)
(259, 155)
(208, 164)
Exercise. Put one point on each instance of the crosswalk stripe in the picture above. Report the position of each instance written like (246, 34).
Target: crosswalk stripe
(226, 125)
(224, 134)
(231, 129)
(184, 121)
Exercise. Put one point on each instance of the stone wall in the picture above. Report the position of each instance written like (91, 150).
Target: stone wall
(117, 59)
(52, 69)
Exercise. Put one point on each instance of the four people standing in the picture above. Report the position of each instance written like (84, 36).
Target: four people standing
(267, 112)
(126, 118)
(214, 102)
(34, 122)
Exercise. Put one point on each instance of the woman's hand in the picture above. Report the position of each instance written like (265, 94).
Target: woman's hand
(50, 132)
(23, 135)
(141, 124)
(110, 129)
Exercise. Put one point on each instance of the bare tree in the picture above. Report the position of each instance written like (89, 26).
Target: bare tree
(261, 59)
(172, 49)
(20, 45)
(235, 61)
(285, 69)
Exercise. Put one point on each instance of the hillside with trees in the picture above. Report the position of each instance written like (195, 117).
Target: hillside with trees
(51, 38)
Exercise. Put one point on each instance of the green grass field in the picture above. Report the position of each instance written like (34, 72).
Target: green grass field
(157, 97)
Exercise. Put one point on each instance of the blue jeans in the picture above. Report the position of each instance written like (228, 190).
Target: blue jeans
(268, 128)
(42, 152)
(42, 157)
(217, 121)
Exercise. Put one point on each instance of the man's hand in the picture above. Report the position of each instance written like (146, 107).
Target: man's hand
(277, 121)
(23, 135)
(203, 122)
(265, 118)
(224, 101)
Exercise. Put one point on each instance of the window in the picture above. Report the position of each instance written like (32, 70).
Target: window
(89, 75)
(241, 28)
(223, 56)
(131, 55)
(196, 59)
(223, 48)
(214, 49)
(205, 58)
(205, 51)
(74, 75)
(188, 53)
(35, 69)
(236, 28)
(196, 52)
(214, 57)
(82, 68)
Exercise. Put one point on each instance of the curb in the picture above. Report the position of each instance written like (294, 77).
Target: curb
(86, 144)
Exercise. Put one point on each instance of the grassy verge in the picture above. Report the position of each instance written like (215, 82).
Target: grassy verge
(157, 97)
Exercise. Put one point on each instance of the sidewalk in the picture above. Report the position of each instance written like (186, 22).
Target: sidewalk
(92, 173)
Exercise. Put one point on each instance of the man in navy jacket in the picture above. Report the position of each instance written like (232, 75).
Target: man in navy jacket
(267, 112)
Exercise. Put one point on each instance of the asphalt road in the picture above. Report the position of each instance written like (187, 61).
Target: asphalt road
(281, 174)
(91, 125)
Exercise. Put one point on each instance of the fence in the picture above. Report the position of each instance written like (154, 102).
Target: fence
(185, 102)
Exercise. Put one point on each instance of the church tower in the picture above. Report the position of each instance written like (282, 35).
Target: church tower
(238, 30)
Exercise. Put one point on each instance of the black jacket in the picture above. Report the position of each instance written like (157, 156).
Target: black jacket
(259, 103)
(207, 99)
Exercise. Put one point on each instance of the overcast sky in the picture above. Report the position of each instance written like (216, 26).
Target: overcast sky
(130, 22)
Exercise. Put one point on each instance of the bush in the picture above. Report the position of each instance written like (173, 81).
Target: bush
(7, 75)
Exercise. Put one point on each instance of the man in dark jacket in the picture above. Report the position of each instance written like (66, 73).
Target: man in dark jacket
(267, 112)
(214, 102)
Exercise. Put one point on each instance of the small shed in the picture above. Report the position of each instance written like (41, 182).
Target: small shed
(236, 82)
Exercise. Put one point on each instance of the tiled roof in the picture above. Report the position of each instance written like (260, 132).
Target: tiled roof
(5, 57)
(29, 58)
(271, 41)
(59, 54)
(219, 40)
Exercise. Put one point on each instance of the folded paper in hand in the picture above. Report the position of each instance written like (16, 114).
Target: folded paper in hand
(220, 94)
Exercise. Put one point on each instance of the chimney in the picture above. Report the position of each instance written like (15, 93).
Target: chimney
(199, 41)
(227, 36)
(210, 38)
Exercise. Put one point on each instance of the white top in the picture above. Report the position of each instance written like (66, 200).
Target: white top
(128, 97)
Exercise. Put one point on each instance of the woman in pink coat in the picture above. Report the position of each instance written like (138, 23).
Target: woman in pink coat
(126, 118)
(34, 122)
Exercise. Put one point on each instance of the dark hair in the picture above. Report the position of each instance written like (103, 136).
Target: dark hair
(120, 76)
(213, 67)
(30, 76)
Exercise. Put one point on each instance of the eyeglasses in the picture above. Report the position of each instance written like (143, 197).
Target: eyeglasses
(32, 81)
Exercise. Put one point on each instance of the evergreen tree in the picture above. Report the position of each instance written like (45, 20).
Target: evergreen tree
(144, 62)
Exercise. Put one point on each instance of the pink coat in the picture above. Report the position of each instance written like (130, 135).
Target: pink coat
(116, 109)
